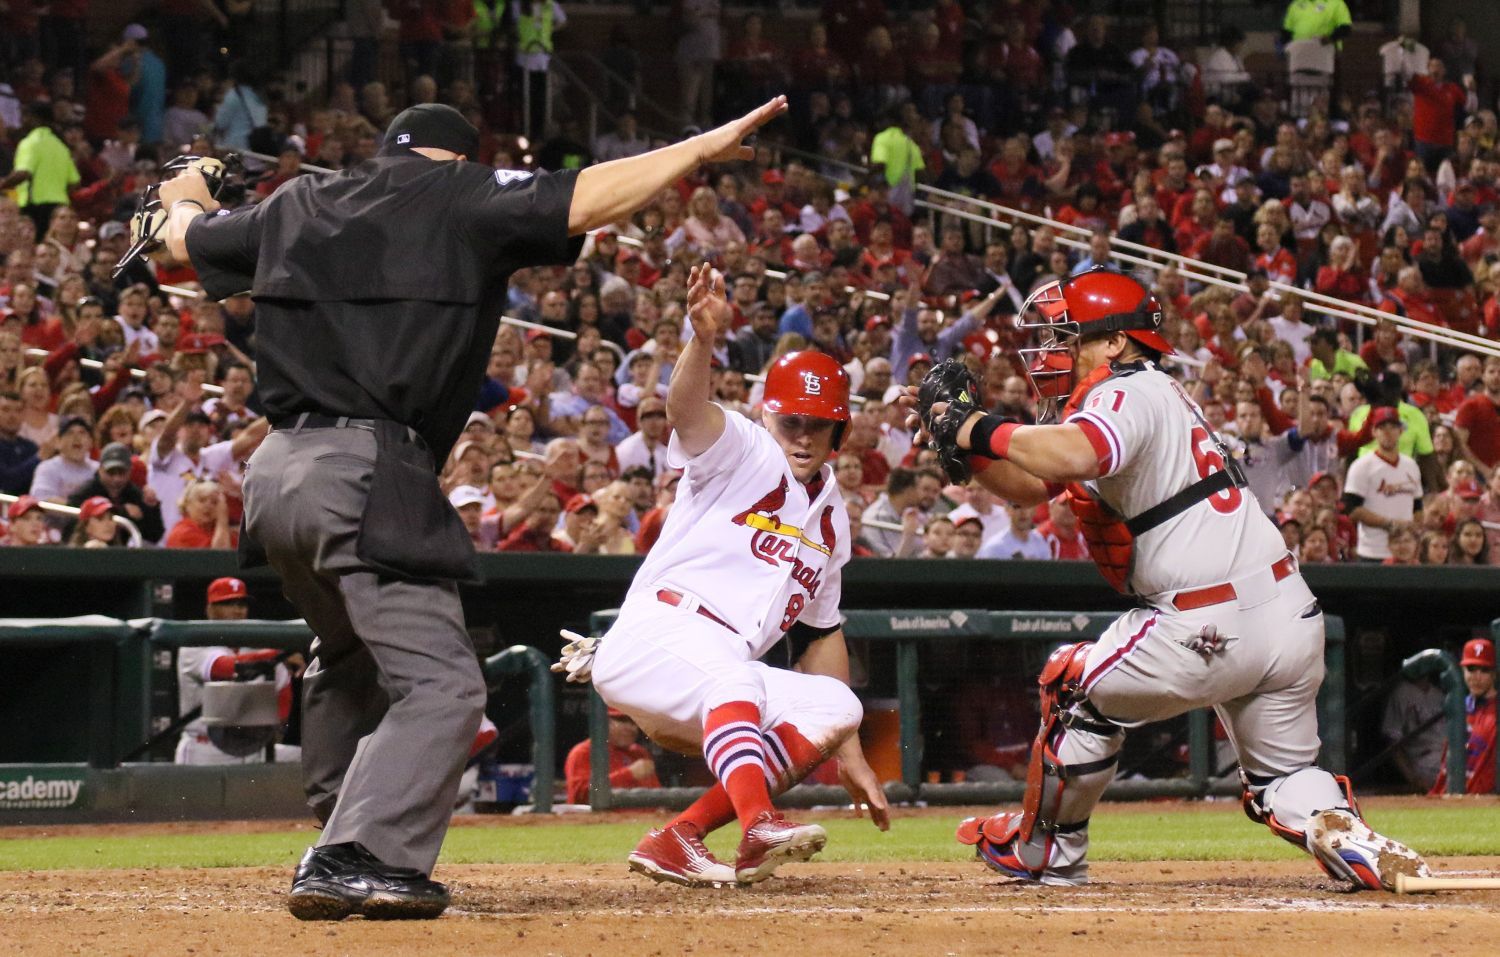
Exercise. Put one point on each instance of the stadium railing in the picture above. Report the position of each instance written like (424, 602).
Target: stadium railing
(941, 202)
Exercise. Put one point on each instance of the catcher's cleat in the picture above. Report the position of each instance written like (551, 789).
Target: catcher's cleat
(771, 841)
(997, 843)
(676, 855)
(1348, 850)
(340, 880)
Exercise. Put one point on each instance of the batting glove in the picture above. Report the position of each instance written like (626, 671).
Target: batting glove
(577, 659)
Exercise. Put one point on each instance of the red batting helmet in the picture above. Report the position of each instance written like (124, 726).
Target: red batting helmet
(1096, 303)
(808, 383)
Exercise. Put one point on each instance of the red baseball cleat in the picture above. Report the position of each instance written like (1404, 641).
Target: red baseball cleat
(771, 841)
(676, 855)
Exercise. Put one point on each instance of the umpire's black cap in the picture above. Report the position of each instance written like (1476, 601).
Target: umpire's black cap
(431, 125)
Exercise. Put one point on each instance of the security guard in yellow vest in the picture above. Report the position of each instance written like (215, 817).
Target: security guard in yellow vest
(1326, 20)
(491, 43)
(536, 22)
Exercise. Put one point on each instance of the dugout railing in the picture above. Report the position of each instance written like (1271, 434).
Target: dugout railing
(110, 663)
(912, 629)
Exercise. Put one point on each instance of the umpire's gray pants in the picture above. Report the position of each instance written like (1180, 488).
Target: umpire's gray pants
(393, 696)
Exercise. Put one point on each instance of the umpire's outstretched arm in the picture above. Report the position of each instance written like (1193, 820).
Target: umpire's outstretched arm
(602, 195)
(618, 188)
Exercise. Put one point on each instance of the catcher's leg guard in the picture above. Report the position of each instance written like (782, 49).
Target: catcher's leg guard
(1072, 762)
(1316, 811)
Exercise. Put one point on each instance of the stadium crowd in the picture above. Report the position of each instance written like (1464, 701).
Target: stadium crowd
(134, 397)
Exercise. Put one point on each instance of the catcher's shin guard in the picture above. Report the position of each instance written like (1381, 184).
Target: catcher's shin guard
(1072, 762)
(1316, 811)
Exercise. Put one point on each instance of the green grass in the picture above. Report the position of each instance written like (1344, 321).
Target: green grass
(1174, 832)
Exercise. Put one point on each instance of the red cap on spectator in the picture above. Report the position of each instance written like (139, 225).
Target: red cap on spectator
(21, 506)
(968, 520)
(192, 345)
(1320, 476)
(1480, 652)
(1468, 489)
(772, 176)
(1119, 138)
(94, 507)
(919, 357)
(875, 322)
(580, 502)
(1385, 414)
(533, 335)
(227, 589)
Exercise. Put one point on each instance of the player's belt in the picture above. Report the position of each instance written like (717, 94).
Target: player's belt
(1215, 594)
(669, 597)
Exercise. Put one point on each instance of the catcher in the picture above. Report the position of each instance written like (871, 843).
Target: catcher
(1225, 620)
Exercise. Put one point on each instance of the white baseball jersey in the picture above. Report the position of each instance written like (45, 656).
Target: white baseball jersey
(1152, 444)
(1390, 490)
(745, 539)
(169, 474)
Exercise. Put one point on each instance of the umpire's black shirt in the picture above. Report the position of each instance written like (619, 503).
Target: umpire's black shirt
(379, 289)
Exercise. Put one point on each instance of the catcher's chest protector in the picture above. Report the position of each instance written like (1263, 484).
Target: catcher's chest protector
(1111, 545)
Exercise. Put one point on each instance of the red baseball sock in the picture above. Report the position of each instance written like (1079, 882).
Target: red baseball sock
(709, 813)
(735, 752)
(790, 755)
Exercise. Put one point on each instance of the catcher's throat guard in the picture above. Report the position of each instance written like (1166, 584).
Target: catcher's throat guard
(149, 220)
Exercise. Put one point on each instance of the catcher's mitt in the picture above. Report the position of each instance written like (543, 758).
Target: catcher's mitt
(949, 381)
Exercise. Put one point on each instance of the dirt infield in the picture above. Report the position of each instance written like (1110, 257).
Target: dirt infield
(1188, 908)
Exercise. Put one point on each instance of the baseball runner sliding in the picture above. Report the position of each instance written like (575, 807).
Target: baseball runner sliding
(1225, 619)
(752, 551)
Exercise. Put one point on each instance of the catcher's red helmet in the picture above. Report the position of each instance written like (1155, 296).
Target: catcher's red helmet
(1102, 301)
(808, 383)
(1098, 302)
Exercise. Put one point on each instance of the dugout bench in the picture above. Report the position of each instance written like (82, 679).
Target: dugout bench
(909, 630)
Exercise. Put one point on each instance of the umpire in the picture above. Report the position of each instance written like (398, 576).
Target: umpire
(378, 292)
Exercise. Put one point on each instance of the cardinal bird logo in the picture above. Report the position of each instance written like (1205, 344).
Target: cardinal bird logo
(825, 525)
(769, 504)
(773, 539)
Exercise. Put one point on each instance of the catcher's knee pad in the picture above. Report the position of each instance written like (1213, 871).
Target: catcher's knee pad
(1286, 803)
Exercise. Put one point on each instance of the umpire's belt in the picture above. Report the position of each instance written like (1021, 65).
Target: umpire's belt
(298, 421)
(687, 603)
(1215, 594)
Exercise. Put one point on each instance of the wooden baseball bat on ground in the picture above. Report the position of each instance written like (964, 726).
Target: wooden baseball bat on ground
(1406, 884)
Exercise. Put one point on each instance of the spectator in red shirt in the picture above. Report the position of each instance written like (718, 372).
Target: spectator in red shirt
(205, 518)
(1340, 276)
(1435, 103)
(1478, 421)
(630, 764)
(535, 533)
(1061, 532)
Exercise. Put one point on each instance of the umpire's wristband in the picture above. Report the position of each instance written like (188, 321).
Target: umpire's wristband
(990, 436)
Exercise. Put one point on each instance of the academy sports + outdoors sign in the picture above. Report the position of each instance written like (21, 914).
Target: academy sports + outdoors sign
(33, 789)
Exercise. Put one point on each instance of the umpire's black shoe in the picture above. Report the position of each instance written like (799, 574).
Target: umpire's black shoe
(337, 880)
